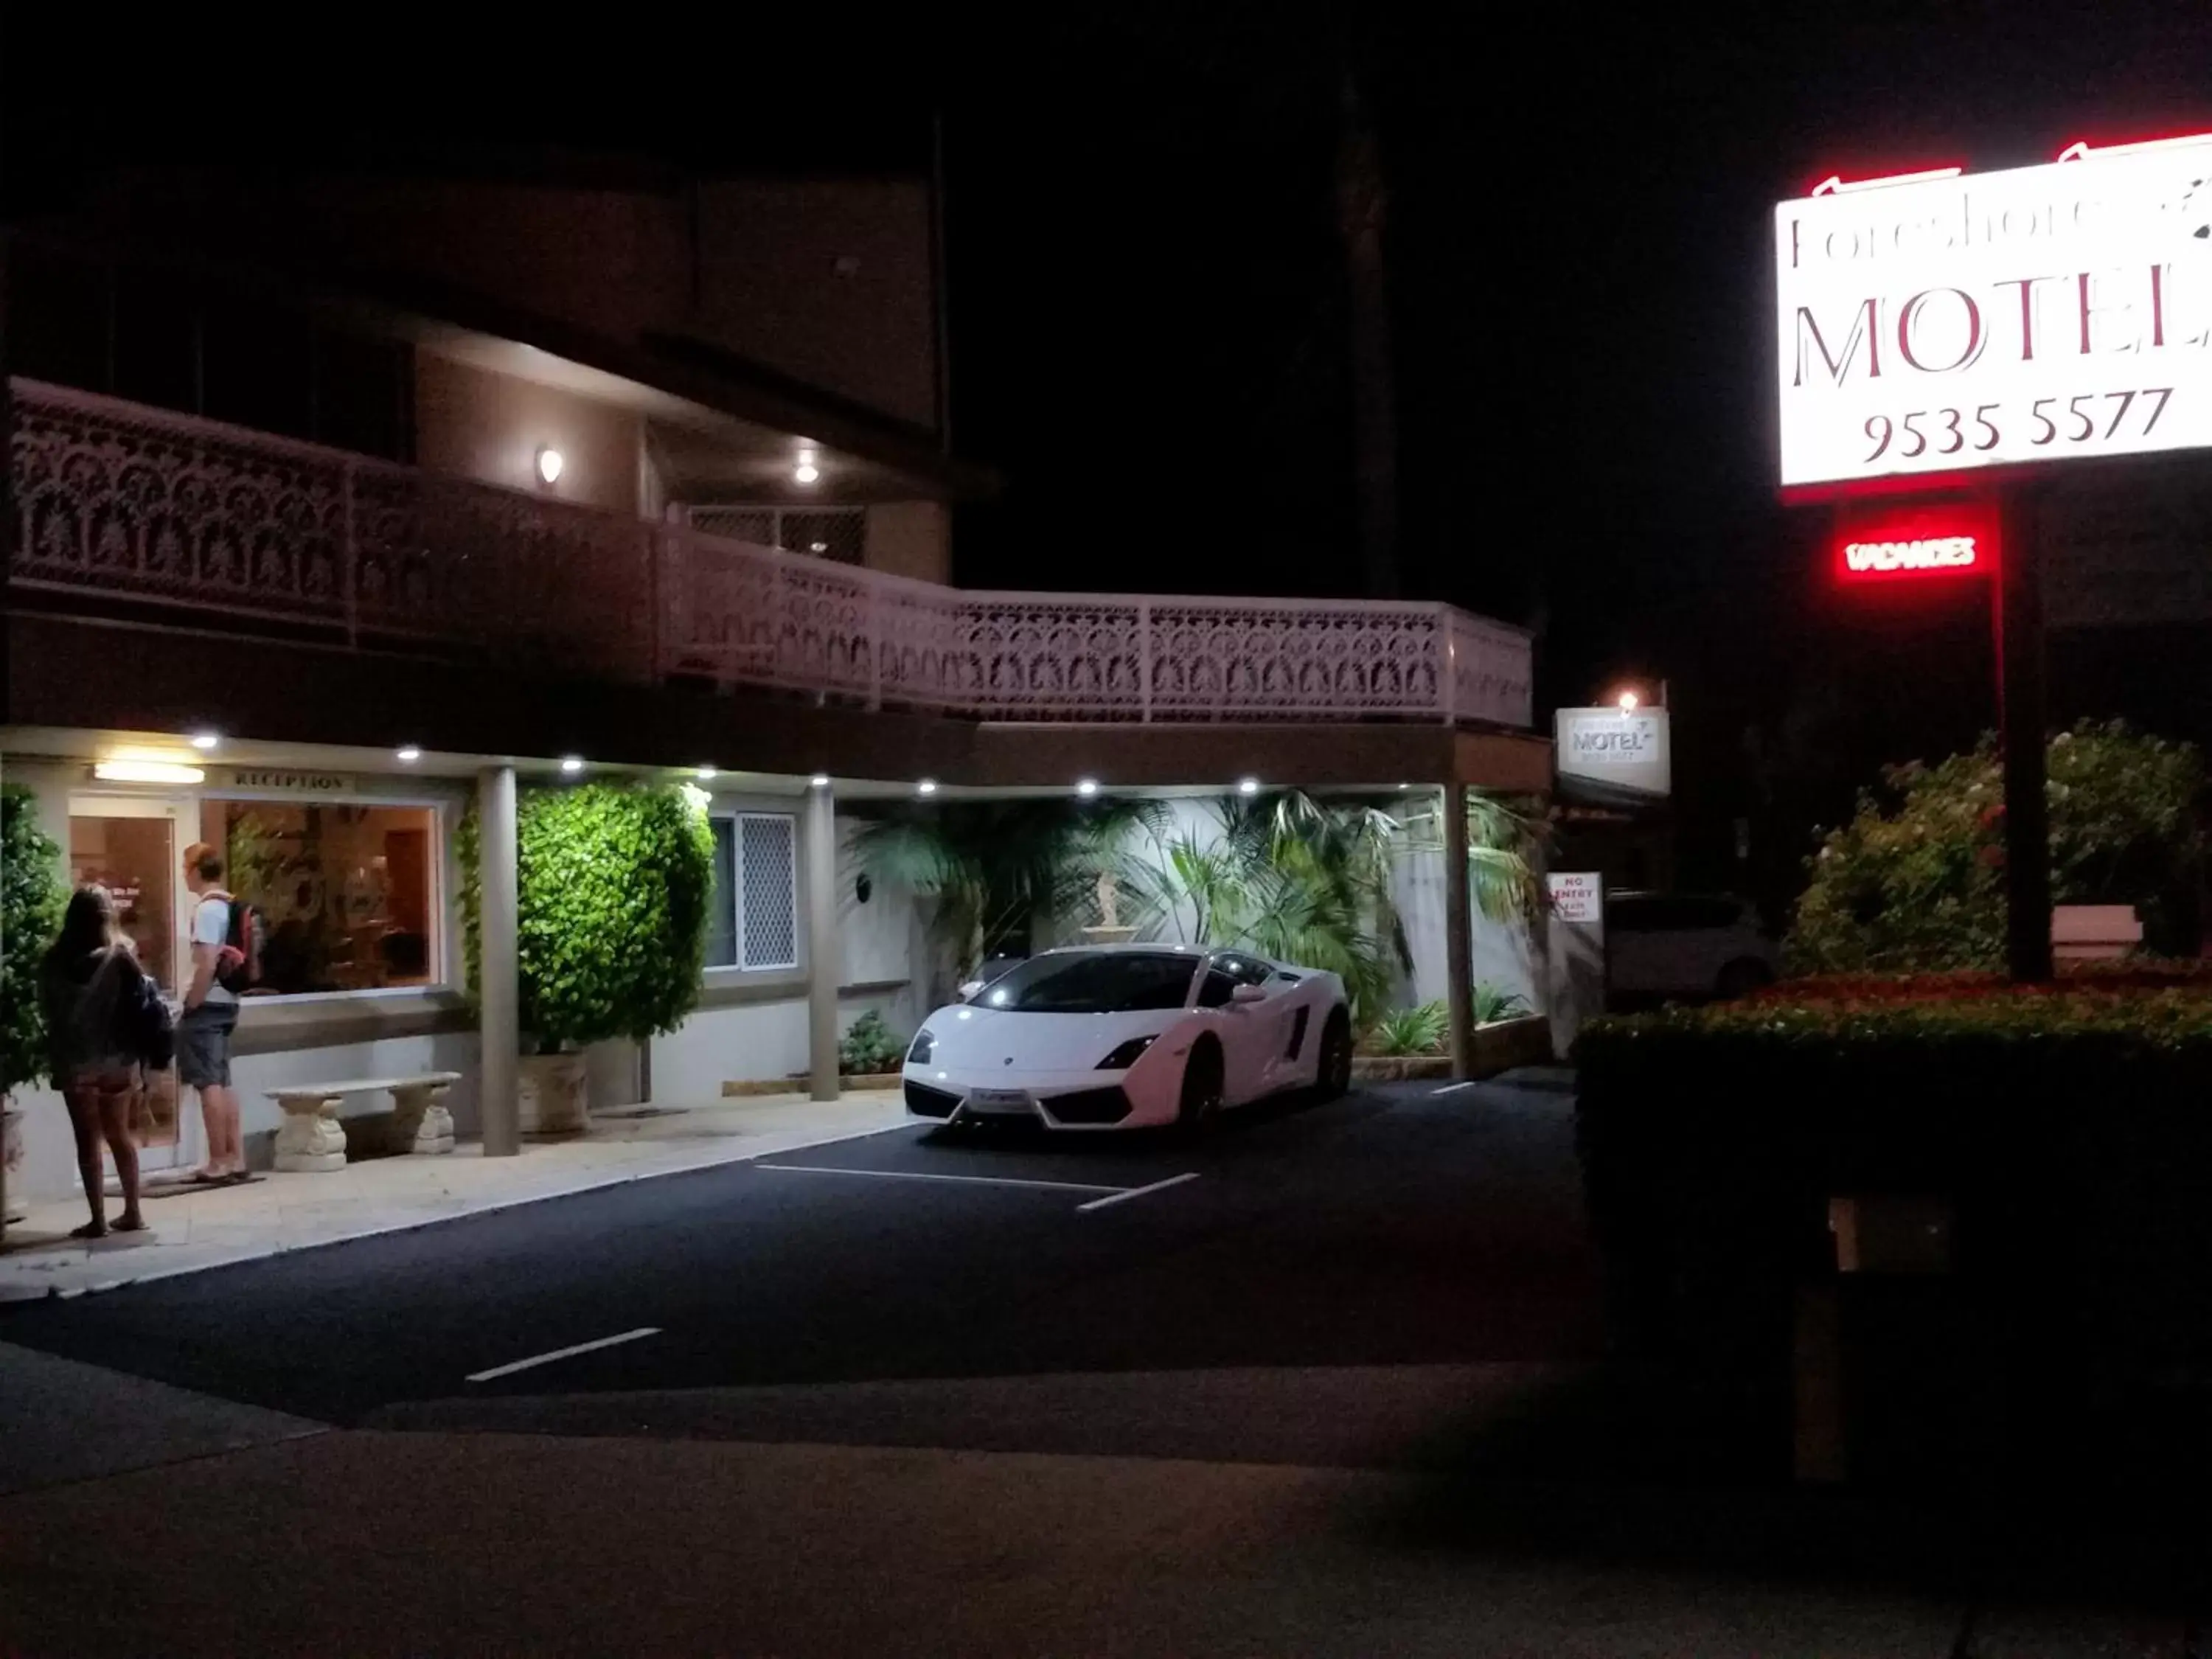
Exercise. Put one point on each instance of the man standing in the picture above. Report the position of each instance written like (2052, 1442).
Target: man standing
(210, 1015)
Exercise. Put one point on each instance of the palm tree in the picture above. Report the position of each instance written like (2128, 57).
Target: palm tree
(991, 868)
(1289, 877)
(1361, 205)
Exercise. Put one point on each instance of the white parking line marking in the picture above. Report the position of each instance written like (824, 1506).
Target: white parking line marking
(1452, 1088)
(1137, 1192)
(563, 1353)
(915, 1175)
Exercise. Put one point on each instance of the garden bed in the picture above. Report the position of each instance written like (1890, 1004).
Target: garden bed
(1499, 1046)
(797, 1084)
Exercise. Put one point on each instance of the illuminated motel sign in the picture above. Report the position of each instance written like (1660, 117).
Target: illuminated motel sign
(1941, 322)
(1933, 324)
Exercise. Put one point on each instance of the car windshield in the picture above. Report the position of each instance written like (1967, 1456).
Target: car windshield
(1104, 983)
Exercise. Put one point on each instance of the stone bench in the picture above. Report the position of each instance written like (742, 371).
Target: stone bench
(312, 1139)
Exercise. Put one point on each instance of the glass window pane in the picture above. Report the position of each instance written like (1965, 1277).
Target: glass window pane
(722, 902)
(350, 891)
(767, 875)
(137, 861)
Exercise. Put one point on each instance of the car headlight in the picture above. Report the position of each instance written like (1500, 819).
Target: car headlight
(925, 1045)
(1126, 1056)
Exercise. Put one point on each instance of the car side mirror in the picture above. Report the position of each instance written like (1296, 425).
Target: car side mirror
(968, 991)
(1249, 994)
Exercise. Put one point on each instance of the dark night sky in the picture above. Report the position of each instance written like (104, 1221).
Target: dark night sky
(1149, 324)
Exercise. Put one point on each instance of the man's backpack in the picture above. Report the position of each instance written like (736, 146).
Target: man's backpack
(146, 1022)
(237, 964)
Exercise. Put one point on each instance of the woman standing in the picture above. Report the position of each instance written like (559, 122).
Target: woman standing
(104, 1018)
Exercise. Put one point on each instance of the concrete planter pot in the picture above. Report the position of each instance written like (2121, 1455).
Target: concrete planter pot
(549, 1092)
(1505, 1043)
(15, 1203)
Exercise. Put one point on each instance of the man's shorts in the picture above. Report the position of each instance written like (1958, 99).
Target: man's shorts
(204, 1045)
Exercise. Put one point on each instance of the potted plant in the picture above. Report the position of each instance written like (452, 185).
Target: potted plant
(614, 884)
(31, 900)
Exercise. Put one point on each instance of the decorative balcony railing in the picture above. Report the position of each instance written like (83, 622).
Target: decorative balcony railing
(117, 503)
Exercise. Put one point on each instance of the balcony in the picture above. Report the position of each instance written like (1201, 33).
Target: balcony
(124, 507)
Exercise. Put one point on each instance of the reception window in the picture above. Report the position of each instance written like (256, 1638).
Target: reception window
(350, 891)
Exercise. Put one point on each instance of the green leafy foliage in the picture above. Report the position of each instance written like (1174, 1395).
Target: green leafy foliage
(2065, 1125)
(32, 897)
(1916, 881)
(991, 868)
(1419, 1030)
(1920, 1016)
(611, 926)
(869, 1046)
(1289, 877)
(1494, 1002)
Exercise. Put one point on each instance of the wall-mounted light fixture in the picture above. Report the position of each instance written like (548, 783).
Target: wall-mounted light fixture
(145, 771)
(805, 472)
(550, 462)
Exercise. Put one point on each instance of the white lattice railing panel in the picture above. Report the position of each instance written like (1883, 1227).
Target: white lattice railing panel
(117, 500)
(157, 509)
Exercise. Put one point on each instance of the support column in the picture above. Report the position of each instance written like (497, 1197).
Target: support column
(822, 966)
(499, 992)
(1459, 933)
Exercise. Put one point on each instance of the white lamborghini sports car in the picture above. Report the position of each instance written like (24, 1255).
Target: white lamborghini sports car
(1125, 1037)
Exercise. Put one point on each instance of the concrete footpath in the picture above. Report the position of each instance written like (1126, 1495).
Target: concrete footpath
(193, 1229)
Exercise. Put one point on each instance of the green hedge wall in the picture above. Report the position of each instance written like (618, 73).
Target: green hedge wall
(31, 896)
(2071, 1131)
(614, 884)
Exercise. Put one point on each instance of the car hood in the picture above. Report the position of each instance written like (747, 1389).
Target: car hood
(995, 1039)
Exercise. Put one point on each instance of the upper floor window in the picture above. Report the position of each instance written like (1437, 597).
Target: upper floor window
(158, 337)
(827, 532)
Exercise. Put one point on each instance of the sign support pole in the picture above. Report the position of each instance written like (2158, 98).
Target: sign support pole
(2018, 615)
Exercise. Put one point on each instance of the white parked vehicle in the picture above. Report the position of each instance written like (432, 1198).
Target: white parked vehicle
(1685, 945)
(1125, 1037)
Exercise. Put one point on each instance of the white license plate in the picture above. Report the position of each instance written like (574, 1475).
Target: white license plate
(998, 1100)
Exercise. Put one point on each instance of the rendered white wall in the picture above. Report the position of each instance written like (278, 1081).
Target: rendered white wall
(50, 1156)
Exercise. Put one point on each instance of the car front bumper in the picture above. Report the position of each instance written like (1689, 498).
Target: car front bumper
(1073, 1100)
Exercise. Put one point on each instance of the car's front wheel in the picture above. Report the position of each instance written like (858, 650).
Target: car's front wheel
(1201, 1088)
(1333, 1078)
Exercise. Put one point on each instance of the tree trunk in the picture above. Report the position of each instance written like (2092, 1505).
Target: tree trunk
(1360, 203)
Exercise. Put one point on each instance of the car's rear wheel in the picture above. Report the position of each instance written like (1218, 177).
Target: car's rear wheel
(1201, 1088)
(1333, 1078)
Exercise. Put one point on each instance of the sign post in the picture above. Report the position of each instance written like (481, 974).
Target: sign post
(2018, 614)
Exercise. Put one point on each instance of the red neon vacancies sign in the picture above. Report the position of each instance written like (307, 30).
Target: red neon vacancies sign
(1905, 543)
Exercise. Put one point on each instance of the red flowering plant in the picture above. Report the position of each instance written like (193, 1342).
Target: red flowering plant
(1915, 882)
